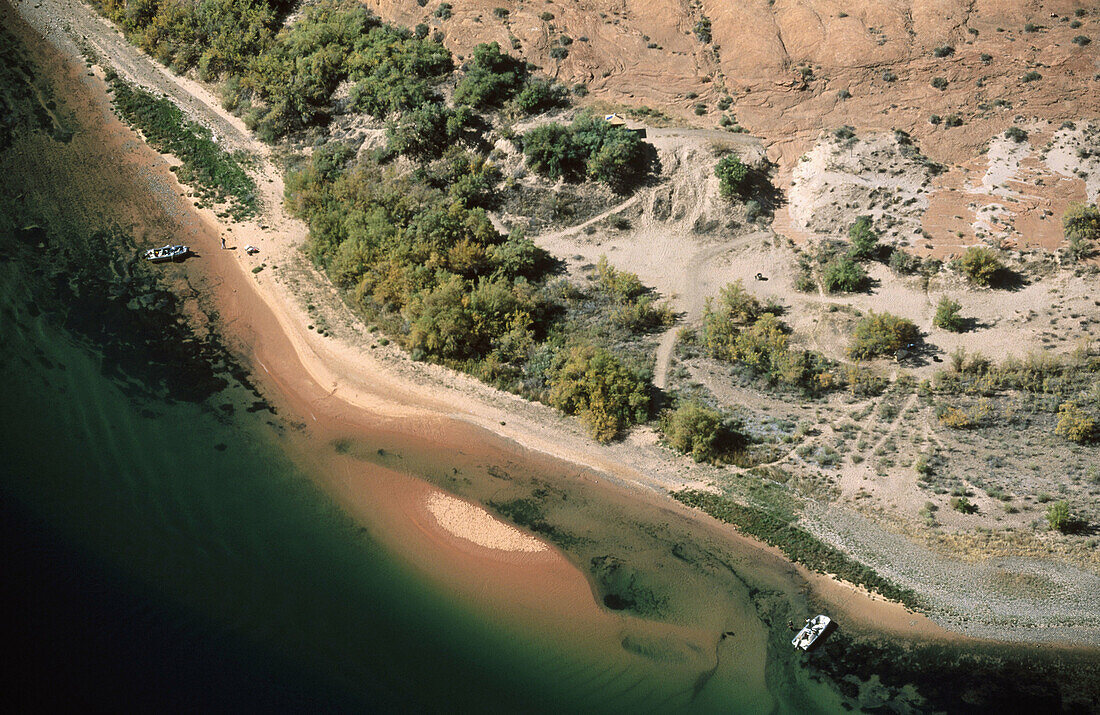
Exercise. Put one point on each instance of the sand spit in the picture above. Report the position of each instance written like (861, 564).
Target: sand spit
(472, 523)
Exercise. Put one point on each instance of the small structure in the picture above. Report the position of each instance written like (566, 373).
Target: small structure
(616, 121)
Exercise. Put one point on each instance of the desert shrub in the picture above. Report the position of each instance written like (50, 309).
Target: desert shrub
(558, 53)
(1081, 226)
(1016, 134)
(702, 30)
(844, 94)
(634, 307)
(444, 11)
(939, 83)
(724, 319)
(1081, 40)
(843, 275)
(732, 176)
(1031, 27)
(985, 57)
(593, 384)
(980, 265)
(546, 16)
(953, 120)
(882, 334)
(1075, 424)
(1031, 76)
(947, 316)
(904, 263)
(864, 239)
(1058, 516)
(963, 505)
(888, 76)
(943, 51)
(500, 13)
(705, 434)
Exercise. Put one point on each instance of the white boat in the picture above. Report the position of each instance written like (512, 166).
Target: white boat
(810, 632)
(166, 253)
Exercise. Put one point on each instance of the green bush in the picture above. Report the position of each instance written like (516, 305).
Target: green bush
(882, 334)
(947, 316)
(980, 265)
(1016, 134)
(593, 384)
(492, 77)
(590, 147)
(939, 83)
(964, 505)
(732, 176)
(549, 150)
(864, 239)
(705, 434)
(1081, 226)
(1031, 76)
(724, 319)
(1058, 516)
(540, 95)
(843, 275)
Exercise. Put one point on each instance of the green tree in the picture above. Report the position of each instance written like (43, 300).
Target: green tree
(549, 149)
(732, 176)
(428, 131)
(705, 434)
(491, 78)
(606, 395)
(724, 319)
(882, 334)
(864, 239)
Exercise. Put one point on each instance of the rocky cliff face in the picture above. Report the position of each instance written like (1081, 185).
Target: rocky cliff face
(794, 67)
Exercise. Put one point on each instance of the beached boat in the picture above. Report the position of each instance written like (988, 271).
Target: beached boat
(810, 632)
(166, 253)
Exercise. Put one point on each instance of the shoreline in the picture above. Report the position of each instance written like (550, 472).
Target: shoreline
(348, 385)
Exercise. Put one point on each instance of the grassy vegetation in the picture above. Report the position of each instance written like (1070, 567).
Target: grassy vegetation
(1081, 226)
(798, 544)
(216, 174)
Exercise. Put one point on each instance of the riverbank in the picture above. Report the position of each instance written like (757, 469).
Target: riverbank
(350, 375)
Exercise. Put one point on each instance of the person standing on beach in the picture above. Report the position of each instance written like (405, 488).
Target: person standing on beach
(223, 241)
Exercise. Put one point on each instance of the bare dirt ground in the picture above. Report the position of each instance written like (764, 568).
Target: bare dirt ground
(684, 240)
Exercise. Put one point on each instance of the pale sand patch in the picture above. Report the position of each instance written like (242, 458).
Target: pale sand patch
(466, 521)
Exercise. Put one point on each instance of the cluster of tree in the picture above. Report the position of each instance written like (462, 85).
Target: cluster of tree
(417, 252)
(738, 328)
(216, 36)
(589, 147)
